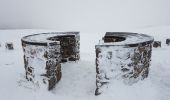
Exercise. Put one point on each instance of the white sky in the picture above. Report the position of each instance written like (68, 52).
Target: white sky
(84, 15)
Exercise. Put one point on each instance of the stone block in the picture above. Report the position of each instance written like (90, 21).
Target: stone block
(9, 46)
(168, 41)
(122, 56)
(156, 44)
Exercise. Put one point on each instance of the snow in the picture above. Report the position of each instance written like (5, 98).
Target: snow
(78, 78)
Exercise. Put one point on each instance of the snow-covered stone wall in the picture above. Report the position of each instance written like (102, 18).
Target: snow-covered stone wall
(44, 52)
(122, 56)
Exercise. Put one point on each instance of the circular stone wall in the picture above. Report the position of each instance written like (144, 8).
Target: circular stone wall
(44, 52)
(122, 56)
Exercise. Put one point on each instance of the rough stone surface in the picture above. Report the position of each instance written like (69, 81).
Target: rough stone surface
(168, 41)
(43, 59)
(69, 47)
(156, 44)
(9, 46)
(42, 64)
(127, 62)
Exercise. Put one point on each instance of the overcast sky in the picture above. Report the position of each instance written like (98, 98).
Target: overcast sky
(84, 15)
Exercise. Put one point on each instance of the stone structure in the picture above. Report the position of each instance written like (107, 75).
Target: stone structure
(168, 41)
(9, 46)
(157, 44)
(44, 53)
(122, 56)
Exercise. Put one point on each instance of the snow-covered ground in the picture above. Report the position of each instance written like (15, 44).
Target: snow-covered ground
(78, 78)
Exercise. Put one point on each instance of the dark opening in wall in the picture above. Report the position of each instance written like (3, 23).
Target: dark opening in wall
(113, 39)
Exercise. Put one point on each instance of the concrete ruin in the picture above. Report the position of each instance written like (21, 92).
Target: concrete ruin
(122, 56)
(44, 53)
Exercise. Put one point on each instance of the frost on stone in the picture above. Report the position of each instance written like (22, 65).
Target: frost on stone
(43, 59)
(118, 60)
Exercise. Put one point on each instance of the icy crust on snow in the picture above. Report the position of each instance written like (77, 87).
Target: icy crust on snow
(130, 38)
(43, 37)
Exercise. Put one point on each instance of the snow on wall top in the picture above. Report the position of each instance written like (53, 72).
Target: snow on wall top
(130, 39)
(43, 38)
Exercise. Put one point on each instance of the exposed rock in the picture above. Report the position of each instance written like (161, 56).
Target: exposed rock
(63, 60)
(168, 41)
(72, 59)
(9, 46)
(156, 44)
